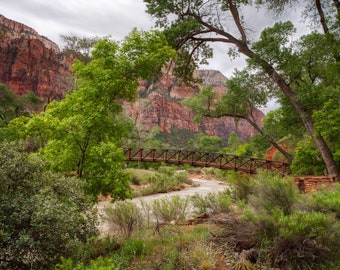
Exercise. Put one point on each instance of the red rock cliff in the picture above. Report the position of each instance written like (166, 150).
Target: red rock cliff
(30, 62)
(161, 107)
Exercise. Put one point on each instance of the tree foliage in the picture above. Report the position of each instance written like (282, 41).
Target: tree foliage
(43, 216)
(12, 106)
(205, 143)
(83, 133)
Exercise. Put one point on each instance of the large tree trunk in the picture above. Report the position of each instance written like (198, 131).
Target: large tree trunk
(306, 118)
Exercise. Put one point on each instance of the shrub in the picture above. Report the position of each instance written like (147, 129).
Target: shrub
(302, 241)
(182, 178)
(164, 183)
(243, 265)
(140, 176)
(170, 171)
(203, 256)
(242, 185)
(94, 248)
(43, 216)
(146, 209)
(327, 200)
(125, 215)
(134, 247)
(212, 203)
(98, 263)
(290, 238)
(194, 170)
(213, 173)
(174, 208)
(167, 179)
(272, 191)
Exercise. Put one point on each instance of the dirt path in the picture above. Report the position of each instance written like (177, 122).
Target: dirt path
(202, 187)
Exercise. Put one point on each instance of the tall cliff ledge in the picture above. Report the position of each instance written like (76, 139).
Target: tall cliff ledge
(30, 62)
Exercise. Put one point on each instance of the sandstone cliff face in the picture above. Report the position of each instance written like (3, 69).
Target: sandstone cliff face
(163, 107)
(30, 62)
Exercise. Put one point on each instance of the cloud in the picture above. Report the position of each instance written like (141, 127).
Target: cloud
(89, 18)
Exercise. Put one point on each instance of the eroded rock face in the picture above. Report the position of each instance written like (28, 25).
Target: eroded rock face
(161, 107)
(30, 62)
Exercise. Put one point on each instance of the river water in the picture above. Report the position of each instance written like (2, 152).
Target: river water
(201, 186)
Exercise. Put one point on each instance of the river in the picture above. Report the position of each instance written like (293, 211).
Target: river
(201, 186)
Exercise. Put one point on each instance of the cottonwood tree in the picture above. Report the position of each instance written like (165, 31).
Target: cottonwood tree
(192, 25)
(83, 133)
(141, 135)
(239, 102)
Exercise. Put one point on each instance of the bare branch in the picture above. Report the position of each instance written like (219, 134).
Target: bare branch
(237, 20)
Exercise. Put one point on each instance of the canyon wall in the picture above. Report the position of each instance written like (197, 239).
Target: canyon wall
(32, 63)
(161, 106)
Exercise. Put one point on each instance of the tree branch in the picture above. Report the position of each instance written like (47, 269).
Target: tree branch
(258, 129)
(322, 16)
(237, 20)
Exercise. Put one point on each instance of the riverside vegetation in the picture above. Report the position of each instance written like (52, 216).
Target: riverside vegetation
(260, 222)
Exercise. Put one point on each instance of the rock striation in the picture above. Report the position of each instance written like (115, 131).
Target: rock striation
(161, 106)
(30, 62)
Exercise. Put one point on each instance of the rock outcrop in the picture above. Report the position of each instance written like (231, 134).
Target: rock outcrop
(161, 106)
(30, 62)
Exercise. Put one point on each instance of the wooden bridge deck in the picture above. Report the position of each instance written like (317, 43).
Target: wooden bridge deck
(203, 159)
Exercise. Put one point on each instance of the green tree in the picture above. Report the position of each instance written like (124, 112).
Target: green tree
(142, 135)
(205, 143)
(42, 215)
(84, 132)
(79, 47)
(290, 70)
(328, 124)
(233, 142)
(239, 102)
(12, 106)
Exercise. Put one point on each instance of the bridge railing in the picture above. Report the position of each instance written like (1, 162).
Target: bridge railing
(204, 159)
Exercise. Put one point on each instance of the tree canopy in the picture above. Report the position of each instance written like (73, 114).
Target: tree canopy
(42, 215)
(301, 72)
(83, 133)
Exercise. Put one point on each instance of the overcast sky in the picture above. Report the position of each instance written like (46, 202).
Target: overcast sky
(104, 17)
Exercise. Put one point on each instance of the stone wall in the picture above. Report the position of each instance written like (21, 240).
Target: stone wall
(309, 183)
